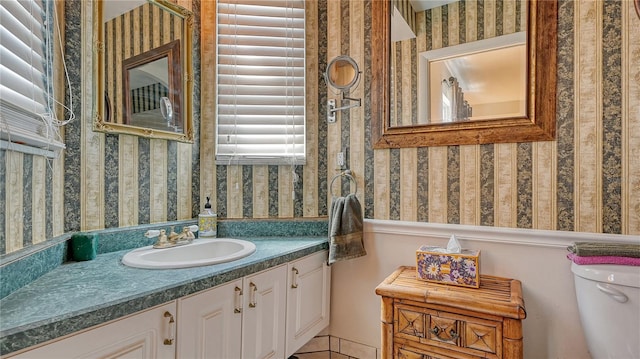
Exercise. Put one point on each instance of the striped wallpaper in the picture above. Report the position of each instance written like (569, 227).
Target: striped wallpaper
(585, 181)
(588, 180)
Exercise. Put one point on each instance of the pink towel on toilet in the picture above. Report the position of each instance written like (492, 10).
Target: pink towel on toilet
(627, 261)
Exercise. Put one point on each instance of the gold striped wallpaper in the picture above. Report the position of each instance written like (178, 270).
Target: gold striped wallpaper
(588, 180)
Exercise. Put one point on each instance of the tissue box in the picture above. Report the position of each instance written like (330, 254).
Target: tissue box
(462, 269)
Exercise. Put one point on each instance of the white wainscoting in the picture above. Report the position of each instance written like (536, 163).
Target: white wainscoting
(535, 257)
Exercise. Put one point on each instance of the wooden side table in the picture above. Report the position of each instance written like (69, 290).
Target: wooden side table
(423, 320)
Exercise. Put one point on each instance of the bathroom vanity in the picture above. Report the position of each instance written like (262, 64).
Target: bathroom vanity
(271, 313)
(431, 320)
(278, 295)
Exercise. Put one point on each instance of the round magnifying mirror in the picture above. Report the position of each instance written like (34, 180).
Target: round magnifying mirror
(342, 73)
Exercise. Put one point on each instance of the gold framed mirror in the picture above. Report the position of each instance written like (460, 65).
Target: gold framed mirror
(537, 123)
(143, 76)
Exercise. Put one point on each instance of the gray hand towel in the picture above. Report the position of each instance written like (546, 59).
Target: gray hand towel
(345, 229)
(614, 249)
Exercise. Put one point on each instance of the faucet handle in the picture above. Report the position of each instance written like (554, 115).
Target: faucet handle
(152, 233)
(162, 239)
(189, 231)
(194, 228)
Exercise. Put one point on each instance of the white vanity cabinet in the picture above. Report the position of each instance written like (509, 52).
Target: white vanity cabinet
(210, 323)
(308, 297)
(270, 314)
(148, 334)
(263, 314)
(242, 319)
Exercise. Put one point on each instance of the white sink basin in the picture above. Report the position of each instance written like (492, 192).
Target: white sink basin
(200, 252)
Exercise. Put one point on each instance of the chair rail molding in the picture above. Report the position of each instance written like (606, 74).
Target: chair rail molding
(516, 236)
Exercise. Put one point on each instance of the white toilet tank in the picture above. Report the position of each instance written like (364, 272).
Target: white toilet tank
(609, 304)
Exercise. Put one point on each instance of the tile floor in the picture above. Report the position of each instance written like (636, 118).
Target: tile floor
(328, 347)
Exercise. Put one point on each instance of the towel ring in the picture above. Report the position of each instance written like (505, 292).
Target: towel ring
(347, 174)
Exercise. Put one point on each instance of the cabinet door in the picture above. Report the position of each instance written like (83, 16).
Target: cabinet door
(137, 336)
(263, 317)
(209, 324)
(308, 294)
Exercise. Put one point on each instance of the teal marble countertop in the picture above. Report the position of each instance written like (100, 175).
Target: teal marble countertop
(79, 295)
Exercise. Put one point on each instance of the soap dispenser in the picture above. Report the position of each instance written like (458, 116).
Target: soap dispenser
(207, 222)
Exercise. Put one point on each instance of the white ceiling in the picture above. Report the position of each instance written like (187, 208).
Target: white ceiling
(114, 8)
(421, 5)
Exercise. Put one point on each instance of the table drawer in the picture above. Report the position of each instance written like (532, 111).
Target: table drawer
(471, 335)
(413, 353)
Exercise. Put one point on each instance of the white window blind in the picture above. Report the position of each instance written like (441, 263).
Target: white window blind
(260, 82)
(26, 117)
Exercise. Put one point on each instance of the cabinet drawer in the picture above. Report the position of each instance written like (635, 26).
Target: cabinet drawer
(471, 335)
(482, 337)
(403, 353)
(475, 334)
(414, 353)
(411, 322)
(443, 329)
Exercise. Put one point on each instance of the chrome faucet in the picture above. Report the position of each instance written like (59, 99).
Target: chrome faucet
(173, 239)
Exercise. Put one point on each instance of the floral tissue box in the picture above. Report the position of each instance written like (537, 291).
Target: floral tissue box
(462, 269)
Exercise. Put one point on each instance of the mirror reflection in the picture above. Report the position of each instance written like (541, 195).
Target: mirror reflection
(152, 87)
(412, 109)
(489, 84)
(151, 83)
(144, 69)
(434, 79)
(342, 73)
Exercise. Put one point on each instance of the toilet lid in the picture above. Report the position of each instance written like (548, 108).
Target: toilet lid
(609, 273)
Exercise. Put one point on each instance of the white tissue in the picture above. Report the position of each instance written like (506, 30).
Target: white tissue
(452, 247)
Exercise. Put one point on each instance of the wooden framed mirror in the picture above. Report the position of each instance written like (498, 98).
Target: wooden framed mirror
(143, 77)
(537, 123)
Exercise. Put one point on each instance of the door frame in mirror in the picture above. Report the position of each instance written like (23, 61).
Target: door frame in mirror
(539, 124)
(100, 122)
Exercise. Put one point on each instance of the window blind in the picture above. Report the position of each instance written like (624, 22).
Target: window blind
(260, 82)
(25, 70)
